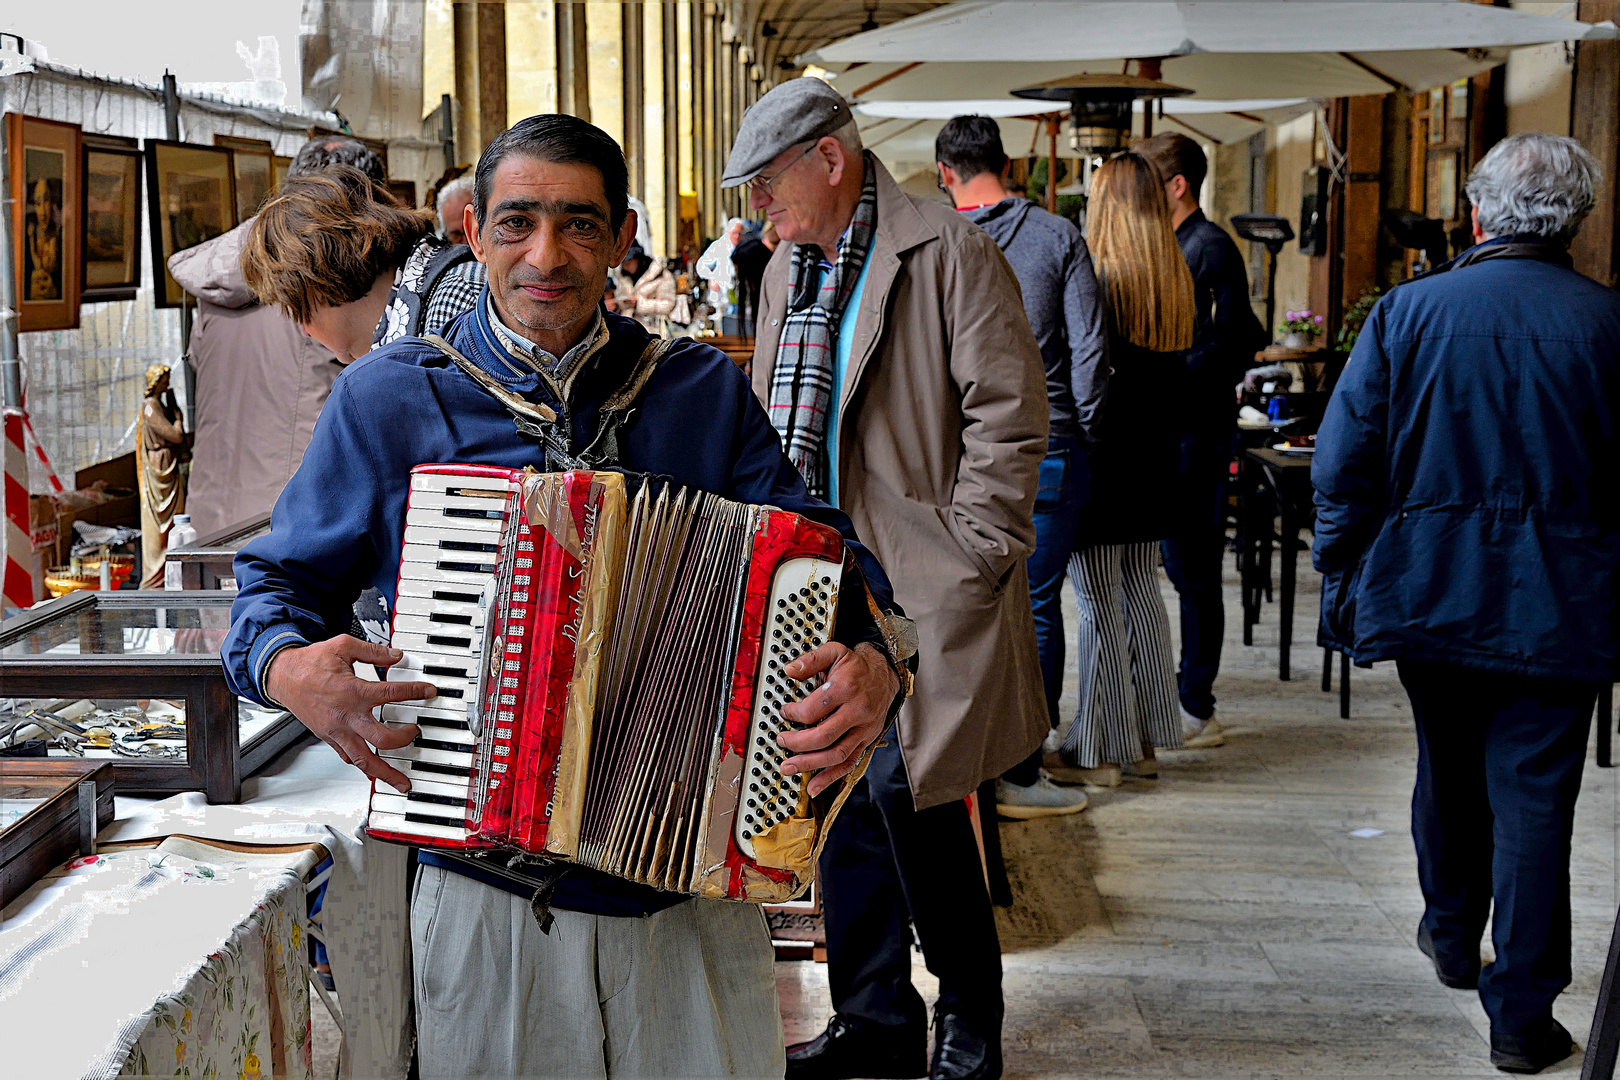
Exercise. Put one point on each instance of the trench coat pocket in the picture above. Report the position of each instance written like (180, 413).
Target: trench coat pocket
(996, 579)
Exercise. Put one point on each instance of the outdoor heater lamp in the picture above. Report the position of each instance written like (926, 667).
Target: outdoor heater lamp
(1100, 109)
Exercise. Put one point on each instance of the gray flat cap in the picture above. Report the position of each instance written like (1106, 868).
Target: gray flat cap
(798, 111)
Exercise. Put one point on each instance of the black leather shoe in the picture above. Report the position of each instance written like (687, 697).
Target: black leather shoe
(1449, 975)
(1546, 1043)
(960, 1053)
(850, 1049)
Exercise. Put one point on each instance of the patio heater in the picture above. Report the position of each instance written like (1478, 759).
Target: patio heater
(1099, 112)
(1273, 231)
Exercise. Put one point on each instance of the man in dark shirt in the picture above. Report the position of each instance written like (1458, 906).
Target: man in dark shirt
(1227, 337)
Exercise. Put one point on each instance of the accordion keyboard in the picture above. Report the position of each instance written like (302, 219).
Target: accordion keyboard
(452, 537)
(799, 617)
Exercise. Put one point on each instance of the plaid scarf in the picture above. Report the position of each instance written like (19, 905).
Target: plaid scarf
(802, 390)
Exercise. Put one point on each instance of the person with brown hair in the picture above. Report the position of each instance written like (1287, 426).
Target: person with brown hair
(1127, 676)
(354, 269)
(1225, 340)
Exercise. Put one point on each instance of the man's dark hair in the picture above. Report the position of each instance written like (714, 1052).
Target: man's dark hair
(970, 145)
(325, 150)
(1173, 155)
(562, 140)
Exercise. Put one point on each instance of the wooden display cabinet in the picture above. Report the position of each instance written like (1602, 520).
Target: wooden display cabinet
(46, 818)
(133, 650)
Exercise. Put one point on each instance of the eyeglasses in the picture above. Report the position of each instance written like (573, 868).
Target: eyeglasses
(763, 183)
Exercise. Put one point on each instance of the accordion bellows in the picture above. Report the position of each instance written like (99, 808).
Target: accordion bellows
(608, 651)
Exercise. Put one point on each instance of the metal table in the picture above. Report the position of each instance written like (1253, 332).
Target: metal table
(1276, 484)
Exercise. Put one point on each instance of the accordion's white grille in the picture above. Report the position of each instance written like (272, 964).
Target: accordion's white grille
(800, 615)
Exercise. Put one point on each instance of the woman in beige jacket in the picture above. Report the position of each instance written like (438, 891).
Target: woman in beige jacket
(646, 289)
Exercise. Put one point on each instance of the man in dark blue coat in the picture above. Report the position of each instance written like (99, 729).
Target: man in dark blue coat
(1226, 339)
(628, 980)
(1468, 527)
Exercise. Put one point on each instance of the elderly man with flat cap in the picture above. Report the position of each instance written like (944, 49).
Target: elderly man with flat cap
(898, 369)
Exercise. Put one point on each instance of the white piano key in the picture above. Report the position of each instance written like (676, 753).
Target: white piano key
(462, 649)
(427, 624)
(437, 537)
(431, 572)
(469, 486)
(434, 733)
(429, 606)
(468, 514)
(387, 801)
(438, 591)
(396, 823)
(429, 754)
(445, 783)
(417, 714)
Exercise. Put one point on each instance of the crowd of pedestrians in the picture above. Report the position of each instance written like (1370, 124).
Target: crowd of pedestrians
(962, 389)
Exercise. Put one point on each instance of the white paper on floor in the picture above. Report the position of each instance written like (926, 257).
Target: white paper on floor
(1366, 834)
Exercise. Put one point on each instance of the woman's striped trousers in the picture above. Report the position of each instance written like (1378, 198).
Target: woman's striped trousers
(1127, 673)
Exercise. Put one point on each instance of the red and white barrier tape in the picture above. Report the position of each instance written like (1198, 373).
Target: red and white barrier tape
(17, 580)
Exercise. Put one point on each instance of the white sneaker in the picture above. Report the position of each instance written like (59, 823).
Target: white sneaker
(1040, 799)
(1199, 734)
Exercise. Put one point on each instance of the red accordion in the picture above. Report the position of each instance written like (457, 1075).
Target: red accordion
(608, 652)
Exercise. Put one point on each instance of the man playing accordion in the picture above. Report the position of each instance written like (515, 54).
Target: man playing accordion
(628, 980)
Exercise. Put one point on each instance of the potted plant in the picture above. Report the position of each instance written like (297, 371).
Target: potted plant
(1299, 329)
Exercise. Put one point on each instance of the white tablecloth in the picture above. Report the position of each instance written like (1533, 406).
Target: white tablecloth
(85, 1020)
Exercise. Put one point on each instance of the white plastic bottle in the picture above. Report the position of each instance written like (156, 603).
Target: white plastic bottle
(180, 535)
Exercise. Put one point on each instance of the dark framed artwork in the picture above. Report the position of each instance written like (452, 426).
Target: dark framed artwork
(112, 218)
(404, 191)
(282, 165)
(191, 196)
(46, 204)
(253, 163)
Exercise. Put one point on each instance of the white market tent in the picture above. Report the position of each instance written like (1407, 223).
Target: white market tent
(1222, 49)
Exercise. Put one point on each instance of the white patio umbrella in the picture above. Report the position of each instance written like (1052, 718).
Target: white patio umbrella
(1229, 49)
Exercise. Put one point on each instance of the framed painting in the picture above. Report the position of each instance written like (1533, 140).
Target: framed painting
(112, 218)
(253, 166)
(46, 202)
(282, 165)
(404, 191)
(191, 197)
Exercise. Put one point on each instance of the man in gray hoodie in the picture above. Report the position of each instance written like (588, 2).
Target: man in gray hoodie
(1064, 306)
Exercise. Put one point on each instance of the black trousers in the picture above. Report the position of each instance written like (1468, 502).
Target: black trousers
(1192, 561)
(1499, 769)
(888, 867)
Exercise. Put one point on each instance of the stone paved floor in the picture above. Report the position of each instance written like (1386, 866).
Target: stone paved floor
(1222, 922)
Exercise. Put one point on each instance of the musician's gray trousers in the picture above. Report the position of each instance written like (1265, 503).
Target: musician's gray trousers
(686, 992)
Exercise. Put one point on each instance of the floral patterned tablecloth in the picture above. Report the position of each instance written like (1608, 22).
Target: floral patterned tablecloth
(88, 963)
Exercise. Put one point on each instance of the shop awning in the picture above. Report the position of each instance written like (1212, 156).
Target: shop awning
(1226, 49)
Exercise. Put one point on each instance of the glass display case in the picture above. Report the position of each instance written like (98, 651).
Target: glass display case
(49, 812)
(207, 564)
(134, 678)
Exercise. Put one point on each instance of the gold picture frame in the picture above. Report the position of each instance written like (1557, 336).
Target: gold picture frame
(253, 167)
(191, 197)
(46, 205)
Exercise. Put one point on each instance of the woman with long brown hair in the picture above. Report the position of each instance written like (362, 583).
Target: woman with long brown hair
(1128, 701)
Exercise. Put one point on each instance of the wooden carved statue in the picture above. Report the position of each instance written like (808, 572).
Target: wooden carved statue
(161, 448)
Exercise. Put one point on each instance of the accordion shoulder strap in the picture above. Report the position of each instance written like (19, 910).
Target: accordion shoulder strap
(538, 421)
(516, 404)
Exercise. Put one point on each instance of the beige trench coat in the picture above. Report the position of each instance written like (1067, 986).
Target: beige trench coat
(941, 431)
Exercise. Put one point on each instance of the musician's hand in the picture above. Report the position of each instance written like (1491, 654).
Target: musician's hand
(847, 711)
(317, 684)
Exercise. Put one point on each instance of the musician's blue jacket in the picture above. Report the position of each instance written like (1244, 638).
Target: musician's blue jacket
(336, 529)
